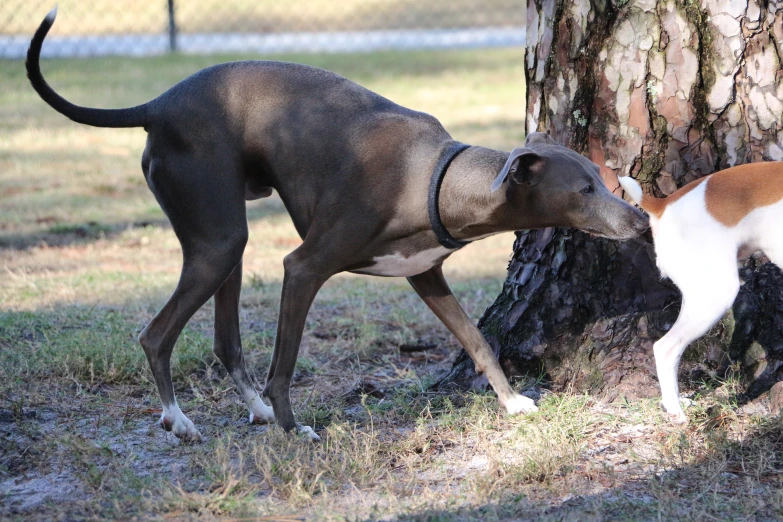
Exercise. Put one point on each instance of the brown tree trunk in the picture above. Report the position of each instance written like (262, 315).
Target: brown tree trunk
(666, 91)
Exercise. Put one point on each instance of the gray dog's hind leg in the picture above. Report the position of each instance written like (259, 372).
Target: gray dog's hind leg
(202, 193)
(228, 346)
(200, 278)
(435, 292)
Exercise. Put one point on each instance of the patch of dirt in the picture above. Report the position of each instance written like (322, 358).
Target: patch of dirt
(61, 452)
(29, 491)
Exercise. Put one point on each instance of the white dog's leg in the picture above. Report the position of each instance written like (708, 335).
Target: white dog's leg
(705, 300)
(520, 404)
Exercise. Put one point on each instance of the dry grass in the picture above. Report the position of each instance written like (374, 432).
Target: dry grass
(78, 407)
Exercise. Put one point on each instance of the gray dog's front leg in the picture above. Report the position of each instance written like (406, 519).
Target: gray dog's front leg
(435, 292)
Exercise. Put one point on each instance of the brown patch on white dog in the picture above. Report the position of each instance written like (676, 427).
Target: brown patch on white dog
(734, 193)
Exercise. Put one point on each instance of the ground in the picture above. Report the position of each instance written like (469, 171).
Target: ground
(88, 258)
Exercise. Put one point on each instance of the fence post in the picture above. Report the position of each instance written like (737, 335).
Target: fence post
(172, 28)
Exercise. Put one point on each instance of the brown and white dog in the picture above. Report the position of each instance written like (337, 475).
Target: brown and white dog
(700, 231)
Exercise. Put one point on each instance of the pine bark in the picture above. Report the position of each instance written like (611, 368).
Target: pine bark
(667, 92)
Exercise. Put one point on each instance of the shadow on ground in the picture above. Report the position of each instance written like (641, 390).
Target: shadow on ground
(736, 480)
(60, 235)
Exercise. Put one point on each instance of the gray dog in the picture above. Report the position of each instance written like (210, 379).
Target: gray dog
(372, 188)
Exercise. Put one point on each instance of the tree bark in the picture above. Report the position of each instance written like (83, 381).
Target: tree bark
(667, 92)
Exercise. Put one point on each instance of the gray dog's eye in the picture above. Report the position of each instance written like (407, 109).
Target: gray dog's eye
(587, 190)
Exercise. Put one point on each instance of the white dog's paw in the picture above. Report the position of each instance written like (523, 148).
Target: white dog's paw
(176, 422)
(520, 404)
(678, 418)
(675, 413)
(674, 410)
(260, 413)
(307, 433)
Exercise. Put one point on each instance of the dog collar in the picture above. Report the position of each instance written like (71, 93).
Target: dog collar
(447, 155)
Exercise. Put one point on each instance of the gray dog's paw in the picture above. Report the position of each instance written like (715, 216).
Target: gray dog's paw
(306, 432)
(180, 426)
(260, 413)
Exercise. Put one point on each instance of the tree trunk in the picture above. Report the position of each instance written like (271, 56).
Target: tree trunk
(666, 91)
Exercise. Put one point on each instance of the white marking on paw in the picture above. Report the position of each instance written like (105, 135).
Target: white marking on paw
(520, 404)
(260, 413)
(306, 432)
(172, 419)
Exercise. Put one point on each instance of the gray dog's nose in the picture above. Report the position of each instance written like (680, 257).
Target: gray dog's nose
(641, 223)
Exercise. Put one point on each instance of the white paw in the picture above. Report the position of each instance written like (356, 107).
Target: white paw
(675, 413)
(674, 410)
(260, 413)
(520, 404)
(306, 432)
(678, 418)
(174, 420)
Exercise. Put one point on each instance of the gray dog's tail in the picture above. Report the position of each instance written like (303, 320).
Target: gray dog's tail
(131, 117)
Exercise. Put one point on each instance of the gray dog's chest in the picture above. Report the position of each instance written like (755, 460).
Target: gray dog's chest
(400, 264)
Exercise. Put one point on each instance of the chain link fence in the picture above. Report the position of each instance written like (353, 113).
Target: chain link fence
(139, 28)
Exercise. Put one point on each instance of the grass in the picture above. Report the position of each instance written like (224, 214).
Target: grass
(87, 259)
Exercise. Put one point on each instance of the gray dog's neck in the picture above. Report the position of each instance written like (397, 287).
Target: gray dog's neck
(468, 209)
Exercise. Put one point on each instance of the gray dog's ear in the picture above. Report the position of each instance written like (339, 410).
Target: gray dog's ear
(542, 138)
(524, 166)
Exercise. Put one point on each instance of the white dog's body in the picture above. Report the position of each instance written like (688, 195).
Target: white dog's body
(700, 231)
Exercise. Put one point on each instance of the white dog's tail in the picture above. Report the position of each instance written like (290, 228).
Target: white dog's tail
(649, 203)
(632, 188)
